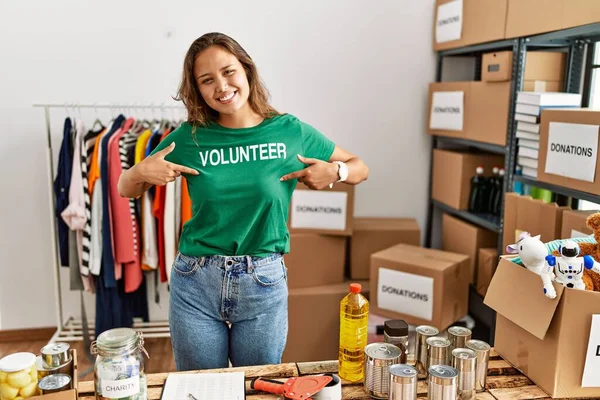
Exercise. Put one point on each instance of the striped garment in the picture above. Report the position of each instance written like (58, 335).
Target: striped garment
(126, 142)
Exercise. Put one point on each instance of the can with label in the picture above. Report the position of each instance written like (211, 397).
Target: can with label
(378, 358)
(458, 336)
(396, 332)
(403, 382)
(464, 361)
(438, 351)
(54, 383)
(442, 383)
(424, 332)
(482, 351)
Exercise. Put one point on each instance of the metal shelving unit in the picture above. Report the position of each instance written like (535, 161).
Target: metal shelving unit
(577, 42)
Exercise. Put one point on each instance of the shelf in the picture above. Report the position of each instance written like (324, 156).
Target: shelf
(486, 221)
(492, 148)
(479, 48)
(558, 189)
(481, 312)
(584, 32)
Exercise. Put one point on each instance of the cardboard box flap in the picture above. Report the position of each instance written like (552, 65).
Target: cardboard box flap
(385, 224)
(516, 293)
(436, 260)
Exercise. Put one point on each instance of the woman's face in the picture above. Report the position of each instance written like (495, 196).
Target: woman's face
(222, 80)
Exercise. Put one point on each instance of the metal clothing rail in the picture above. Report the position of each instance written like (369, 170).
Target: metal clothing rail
(69, 329)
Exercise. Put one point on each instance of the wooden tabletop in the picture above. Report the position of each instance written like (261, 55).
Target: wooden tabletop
(503, 382)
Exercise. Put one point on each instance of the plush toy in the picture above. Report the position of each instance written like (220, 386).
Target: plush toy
(590, 278)
(533, 254)
(569, 266)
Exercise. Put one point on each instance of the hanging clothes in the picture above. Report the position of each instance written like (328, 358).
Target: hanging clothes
(62, 184)
(158, 209)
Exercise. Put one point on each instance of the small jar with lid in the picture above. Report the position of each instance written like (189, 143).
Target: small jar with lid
(18, 376)
(119, 369)
(396, 333)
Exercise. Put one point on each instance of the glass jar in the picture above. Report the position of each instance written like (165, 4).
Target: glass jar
(119, 369)
(18, 376)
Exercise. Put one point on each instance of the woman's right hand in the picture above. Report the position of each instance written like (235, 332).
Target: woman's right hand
(155, 170)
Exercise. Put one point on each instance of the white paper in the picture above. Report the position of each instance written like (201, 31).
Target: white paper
(121, 388)
(447, 111)
(539, 86)
(448, 26)
(313, 209)
(572, 150)
(405, 293)
(591, 370)
(577, 234)
(223, 386)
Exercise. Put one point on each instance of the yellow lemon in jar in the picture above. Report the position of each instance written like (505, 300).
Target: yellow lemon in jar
(29, 390)
(7, 392)
(18, 379)
(2, 377)
(33, 374)
(19, 398)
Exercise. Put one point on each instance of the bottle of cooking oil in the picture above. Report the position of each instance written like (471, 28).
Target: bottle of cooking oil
(354, 317)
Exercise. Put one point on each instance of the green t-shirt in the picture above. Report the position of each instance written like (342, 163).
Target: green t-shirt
(239, 205)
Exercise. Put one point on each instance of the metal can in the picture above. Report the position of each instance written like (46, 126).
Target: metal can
(458, 336)
(482, 351)
(403, 382)
(54, 383)
(378, 357)
(396, 332)
(464, 361)
(442, 383)
(438, 351)
(424, 332)
(43, 370)
(56, 354)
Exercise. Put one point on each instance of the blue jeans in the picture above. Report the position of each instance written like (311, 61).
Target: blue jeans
(228, 308)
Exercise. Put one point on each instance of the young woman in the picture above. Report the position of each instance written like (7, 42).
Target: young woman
(241, 159)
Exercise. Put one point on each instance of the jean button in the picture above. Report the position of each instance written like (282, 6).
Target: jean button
(229, 262)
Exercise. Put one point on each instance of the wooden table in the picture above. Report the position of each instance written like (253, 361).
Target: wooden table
(503, 382)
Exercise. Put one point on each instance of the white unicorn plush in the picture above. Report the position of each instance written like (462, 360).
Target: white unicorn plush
(533, 254)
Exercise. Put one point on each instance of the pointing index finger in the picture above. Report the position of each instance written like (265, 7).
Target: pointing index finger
(293, 175)
(183, 169)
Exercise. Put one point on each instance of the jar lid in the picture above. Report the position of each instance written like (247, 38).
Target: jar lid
(396, 327)
(114, 339)
(17, 362)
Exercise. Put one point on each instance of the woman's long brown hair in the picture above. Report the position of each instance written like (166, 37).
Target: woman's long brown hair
(199, 113)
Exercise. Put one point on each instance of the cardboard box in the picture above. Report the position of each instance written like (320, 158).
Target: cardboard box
(522, 213)
(70, 394)
(484, 111)
(531, 17)
(543, 86)
(539, 66)
(420, 286)
(328, 211)
(572, 116)
(574, 224)
(486, 266)
(482, 21)
(373, 234)
(546, 339)
(462, 237)
(452, 173)
(306, 270)
(314, 322)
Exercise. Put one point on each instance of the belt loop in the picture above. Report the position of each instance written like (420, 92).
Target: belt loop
(201, 261)
(250, 265)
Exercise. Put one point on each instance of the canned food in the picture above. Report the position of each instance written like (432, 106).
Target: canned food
(54, 383)
(378, 357)
(464, 361)
(458, 336)
(482, 351)
(403, 382)
(424, 332)
(442, 383)
(18, 376)
(56, 354)
(43, 370)
(438, 351)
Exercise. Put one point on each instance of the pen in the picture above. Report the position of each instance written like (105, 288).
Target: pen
(191, 397)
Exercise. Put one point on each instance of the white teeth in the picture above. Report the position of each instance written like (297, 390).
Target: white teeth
(228, 97)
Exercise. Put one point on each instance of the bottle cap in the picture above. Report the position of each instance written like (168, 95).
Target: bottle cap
(495, 170)
(396, 327)
(479, 169)
(502, 172)
(355, 287)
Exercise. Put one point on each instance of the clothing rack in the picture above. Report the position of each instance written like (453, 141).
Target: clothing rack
(72, 329)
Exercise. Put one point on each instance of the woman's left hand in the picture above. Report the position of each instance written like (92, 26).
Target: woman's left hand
(317, 175)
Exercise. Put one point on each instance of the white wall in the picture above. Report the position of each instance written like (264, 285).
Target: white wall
(356, 70)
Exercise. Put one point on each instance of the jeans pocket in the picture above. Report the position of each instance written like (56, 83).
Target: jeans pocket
(186, 265)
(270, 274)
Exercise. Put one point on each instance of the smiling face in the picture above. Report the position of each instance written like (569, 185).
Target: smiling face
(222, 80)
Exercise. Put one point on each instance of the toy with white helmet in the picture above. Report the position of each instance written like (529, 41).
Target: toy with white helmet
(568, 268)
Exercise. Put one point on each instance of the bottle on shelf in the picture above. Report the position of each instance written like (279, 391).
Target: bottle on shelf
(518, 186)
(354, 319)
(497, 204)
(492, 190)
(477, 191)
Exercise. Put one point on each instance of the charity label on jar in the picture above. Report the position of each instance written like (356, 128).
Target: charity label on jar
(119, 377)
(120, 388)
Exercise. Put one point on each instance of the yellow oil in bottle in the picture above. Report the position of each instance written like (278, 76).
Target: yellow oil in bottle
(354, 319)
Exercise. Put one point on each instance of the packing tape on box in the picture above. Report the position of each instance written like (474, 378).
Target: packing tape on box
(333, 391)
